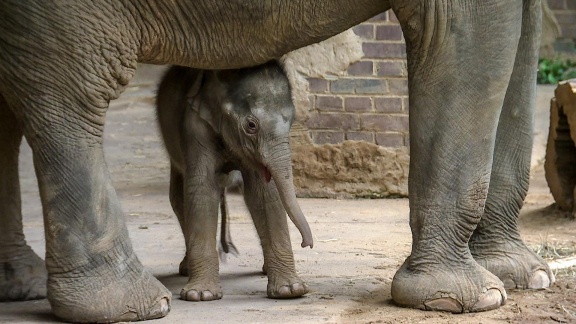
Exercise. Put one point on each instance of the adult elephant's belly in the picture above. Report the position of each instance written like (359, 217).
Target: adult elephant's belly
(235, 34)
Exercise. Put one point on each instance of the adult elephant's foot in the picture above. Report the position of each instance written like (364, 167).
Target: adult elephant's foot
(514, 263)
(458, 288)
(22, 275)
(114, 292)
(282, 285)
(202, 289)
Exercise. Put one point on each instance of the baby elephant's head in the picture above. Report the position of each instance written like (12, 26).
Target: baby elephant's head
(256, 115)
(256, 112)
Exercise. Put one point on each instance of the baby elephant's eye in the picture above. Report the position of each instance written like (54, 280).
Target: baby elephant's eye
(251, 125)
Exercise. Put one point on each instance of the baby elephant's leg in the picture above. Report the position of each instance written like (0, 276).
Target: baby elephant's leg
(177, 202)
(201, 201)
(270, 220)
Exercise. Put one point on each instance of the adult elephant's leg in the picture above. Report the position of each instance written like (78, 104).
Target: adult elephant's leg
(269, 215)
(22, 272)
(177, 202)
(460, 59)
(93, 272)
(496, 242)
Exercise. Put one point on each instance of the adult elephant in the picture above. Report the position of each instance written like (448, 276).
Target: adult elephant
(471, 66)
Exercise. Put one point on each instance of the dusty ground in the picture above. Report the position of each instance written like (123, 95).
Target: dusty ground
(358, 244)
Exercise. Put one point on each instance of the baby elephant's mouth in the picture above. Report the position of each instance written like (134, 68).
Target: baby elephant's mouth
(265, 173)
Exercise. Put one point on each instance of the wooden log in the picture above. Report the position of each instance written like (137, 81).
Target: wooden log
(560, 163)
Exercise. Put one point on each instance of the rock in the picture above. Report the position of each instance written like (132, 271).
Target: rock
(351, 169)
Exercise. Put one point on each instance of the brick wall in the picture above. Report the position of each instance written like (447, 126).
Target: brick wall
(370, 101)
(565, 13)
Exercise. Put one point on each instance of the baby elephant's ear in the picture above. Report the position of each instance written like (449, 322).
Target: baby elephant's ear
(195, 88)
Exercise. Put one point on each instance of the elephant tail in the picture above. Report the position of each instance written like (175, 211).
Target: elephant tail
(226, 246)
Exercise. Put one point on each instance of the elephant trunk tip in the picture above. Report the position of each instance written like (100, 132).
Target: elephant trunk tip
(306, 233)
(307, 242)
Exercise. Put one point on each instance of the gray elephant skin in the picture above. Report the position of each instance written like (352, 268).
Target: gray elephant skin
(214, 122)
(471, 67)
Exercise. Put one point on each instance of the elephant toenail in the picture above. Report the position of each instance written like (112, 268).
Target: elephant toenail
(284, 291)
(164, 307)
(445, 304)
(207, 295)
(491, 299)
(191, 295)
(540, 280)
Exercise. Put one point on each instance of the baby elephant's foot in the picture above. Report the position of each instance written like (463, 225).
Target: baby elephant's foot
(286, 286)
(199, 290)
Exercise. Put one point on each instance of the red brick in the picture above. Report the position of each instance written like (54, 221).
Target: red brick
(318, 85)
(384, 122)
(360, 136)
(389, 32)
(384, 50)
(388, 104)
(569, 32)
(389, 139)
(398, 86)
(321, 137)
(359, 86)
(361, 68)
(379, 17)
(366, 31)
(329, 103)
(334, 121)
(394, 68)
(564, 18)
(391, 16)
(357, 104)
(312, 99)
(556, 4)
(406, 104)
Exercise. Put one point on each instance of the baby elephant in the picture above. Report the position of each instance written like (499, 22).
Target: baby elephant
(214, 122)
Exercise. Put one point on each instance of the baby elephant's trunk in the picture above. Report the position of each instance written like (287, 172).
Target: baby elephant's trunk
(280, 167)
